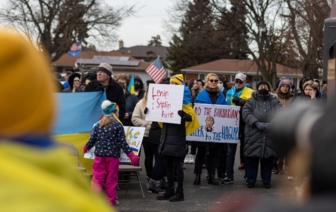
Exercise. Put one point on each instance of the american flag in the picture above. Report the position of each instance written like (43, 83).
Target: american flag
(76, 46)
(156, 71)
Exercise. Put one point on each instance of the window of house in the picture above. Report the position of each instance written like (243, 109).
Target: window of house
(201, 76)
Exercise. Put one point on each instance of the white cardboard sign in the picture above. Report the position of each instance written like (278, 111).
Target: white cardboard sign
(163, 102)
(219, 123)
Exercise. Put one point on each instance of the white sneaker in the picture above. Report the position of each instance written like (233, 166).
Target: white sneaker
(192, 160)
(290, 178)
(117, 203)
(186, 159)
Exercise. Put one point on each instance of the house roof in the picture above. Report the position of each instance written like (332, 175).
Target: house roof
(92, 57)
(141, 51)
(231, 66)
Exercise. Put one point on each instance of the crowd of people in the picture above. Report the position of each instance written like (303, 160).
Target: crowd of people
(165, 150)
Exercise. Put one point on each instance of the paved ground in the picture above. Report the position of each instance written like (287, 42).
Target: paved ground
(205, 197)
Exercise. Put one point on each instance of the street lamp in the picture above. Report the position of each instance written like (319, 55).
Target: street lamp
(262, 32)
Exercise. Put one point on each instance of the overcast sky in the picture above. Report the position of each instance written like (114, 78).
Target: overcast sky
(147, 22)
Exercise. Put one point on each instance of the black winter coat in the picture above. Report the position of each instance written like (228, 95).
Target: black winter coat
(114, 93)
(257, 143)
(154, 133)
(173, 138)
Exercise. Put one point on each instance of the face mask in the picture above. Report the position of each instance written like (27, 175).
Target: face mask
(220, 86)
(136, 86)
(263, 92)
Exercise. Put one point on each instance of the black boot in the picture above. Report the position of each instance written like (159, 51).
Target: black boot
(197, 179)
(170, 192)
(179, 196)
(212, 180)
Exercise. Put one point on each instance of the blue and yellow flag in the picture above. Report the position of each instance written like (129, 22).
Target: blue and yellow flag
(131, 85)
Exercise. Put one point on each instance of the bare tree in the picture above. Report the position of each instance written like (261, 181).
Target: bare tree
(56, 24)
(306, 21)
(265, 29)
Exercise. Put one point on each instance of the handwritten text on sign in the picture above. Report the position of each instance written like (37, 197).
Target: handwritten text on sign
(163, 103)
(133, 136)
(219, 123)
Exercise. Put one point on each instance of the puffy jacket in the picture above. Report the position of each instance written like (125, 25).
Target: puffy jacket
(257, 143)
(131, 101)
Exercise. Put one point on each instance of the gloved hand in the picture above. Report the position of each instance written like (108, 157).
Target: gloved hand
(181, 113)
(134, 158)
(146, 110)
(99, 88)
(236, 100)
(260, 126)
(85, 149)
(268, 126)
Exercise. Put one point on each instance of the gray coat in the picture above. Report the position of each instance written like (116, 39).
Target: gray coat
(257, 143)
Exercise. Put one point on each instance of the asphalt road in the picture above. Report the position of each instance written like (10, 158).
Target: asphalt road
(206, 197)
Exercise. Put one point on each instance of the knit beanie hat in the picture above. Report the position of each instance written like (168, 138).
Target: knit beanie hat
(106, 68)
(264, 83)
(28, 106)
(285, 82)
(109, 107)
(178, 79)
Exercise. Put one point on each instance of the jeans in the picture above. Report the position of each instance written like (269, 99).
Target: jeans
(174, 166)
(149, 156)
(159, 169)
(252, 165)
(230, 159)
(221, 168)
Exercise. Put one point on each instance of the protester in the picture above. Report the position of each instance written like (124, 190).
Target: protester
(57, 81)
(200, 84)
(131, 100)
(108, 137)
(157, 182)
(74, 83)
(66, 78)
(36, 174)
(285, 97)
(237, 95)
(173, 141)
(138, 87)
(88, 77)
(257, 114)
(209, 95)
(104, 82)
(310, 92)
(194, 88)
(139, 120)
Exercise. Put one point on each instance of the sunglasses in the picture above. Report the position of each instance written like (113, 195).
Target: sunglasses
(212, 81)
(239, 82)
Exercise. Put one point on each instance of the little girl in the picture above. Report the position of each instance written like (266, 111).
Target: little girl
(108, 137)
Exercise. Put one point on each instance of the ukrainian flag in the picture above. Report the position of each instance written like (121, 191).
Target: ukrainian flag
(131, 85)
(77, 112)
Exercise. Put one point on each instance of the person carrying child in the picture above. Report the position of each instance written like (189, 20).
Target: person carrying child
(108, 137)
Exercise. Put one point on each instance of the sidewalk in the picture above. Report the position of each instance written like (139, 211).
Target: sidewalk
(204, 196)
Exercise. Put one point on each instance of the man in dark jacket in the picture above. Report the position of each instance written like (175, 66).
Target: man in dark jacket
(114, 91)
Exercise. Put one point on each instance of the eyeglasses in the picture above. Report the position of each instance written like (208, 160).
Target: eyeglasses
(212, 81)
(239, 82)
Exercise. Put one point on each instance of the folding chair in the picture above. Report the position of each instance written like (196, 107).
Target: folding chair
(72, 150)
(131, 171)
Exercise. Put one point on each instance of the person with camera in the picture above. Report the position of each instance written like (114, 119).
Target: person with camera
(258, 112)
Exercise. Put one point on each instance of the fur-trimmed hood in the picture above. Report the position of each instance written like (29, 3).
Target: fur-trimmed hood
(283, 95)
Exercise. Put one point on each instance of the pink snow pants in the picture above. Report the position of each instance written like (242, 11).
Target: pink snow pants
(105, 174)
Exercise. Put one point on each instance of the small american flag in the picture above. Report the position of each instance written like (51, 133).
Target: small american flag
(156, 71)
(76, 46)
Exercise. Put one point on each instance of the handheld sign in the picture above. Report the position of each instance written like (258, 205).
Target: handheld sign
(219, 123)
(133, 137)
(163, 102)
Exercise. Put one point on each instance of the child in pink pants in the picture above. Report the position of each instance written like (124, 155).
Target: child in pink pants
(108, 137)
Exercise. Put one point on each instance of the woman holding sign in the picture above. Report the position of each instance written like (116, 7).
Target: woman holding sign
(173, 141)
(209, 95)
